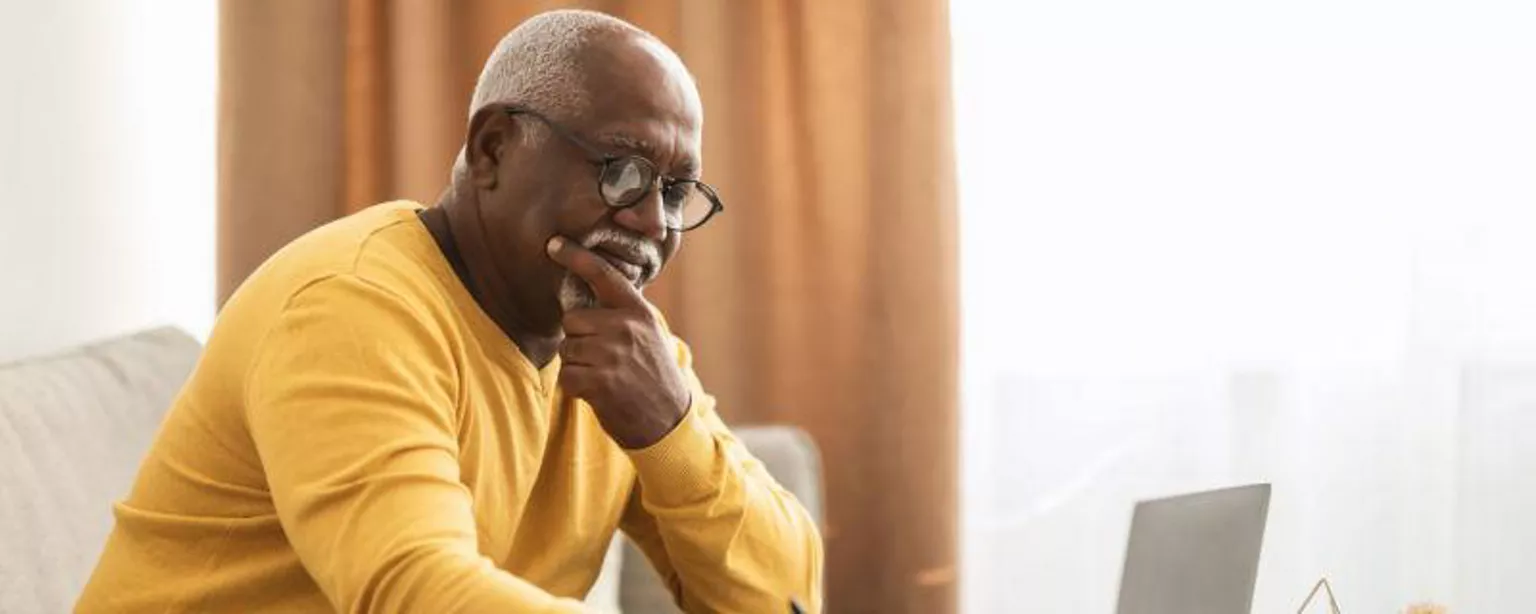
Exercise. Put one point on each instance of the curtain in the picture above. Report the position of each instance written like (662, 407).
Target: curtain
(1271, 244)
(824, 297)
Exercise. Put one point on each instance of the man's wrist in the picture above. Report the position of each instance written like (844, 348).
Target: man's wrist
(680, 467)
(655, 426)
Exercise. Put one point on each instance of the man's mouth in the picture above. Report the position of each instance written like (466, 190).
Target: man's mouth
(633, 266)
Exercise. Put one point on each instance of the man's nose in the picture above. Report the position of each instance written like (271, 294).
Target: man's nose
(646, 218)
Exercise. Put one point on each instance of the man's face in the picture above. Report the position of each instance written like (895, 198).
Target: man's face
(641, 103)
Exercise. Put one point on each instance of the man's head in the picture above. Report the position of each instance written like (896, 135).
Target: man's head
(563, 99)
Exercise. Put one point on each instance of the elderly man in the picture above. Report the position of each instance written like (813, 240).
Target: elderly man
(452, 409)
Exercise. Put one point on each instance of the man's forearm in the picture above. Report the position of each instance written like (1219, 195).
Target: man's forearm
(735, 539)
(449, 582)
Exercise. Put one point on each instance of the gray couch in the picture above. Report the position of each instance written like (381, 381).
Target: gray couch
(74, 427)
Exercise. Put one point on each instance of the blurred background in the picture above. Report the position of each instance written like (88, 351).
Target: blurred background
(1013, 265)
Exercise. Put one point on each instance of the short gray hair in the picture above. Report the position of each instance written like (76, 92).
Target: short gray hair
(536, 64)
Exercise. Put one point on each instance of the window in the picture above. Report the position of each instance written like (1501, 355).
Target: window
(1209, 243)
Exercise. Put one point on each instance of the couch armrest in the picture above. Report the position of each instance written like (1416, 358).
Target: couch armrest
(74, 428)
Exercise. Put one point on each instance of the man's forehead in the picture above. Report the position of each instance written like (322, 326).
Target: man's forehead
(663, 55)
(639, 78)
(630, 142)
(643, 101)
(626, 141)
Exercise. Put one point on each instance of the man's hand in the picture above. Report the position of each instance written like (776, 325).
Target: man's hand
(616, 356)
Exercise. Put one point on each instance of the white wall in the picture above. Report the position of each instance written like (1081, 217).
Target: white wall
(106, 169)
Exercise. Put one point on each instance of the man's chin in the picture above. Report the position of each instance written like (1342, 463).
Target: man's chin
(576, 294)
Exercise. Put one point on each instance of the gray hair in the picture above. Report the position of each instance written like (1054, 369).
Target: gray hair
(536, 64)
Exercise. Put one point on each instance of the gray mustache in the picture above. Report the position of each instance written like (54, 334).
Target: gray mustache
(644, 251)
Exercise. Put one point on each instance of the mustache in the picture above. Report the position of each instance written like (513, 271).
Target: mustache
(629, 246)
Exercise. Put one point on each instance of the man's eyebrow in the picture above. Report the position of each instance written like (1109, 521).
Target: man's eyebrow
(687, 168)
(627, 142)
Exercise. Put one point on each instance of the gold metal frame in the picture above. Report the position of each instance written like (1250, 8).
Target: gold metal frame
(1322, 584)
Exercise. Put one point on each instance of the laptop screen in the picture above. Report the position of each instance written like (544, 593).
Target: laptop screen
(1195, 554)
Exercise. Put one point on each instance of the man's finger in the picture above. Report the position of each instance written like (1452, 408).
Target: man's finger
(579, 322)
(582, 381)
(583, 322)
(579, 351)
(575, 378)
(611, 287)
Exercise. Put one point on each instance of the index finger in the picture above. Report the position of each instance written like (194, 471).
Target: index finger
(611, 287)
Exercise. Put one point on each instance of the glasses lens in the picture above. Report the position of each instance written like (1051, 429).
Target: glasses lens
(677, 193)
(697, 207)
(626, 180)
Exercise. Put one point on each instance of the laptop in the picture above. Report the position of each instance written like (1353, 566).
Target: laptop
(1195, 554)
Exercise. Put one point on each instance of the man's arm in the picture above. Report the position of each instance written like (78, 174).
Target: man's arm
(723, 533)
(350, 403)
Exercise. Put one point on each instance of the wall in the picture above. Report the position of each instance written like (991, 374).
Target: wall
(106, 169)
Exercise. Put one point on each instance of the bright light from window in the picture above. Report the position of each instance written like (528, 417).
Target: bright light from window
(1192, 188)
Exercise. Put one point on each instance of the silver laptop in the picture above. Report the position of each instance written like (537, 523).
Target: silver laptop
(1195, 554)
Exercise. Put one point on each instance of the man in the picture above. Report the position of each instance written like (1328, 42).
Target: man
(453, 409)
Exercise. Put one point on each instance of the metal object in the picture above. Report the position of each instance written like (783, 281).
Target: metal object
(1322, 584)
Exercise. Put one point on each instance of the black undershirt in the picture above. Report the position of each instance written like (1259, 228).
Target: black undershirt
(443, 236)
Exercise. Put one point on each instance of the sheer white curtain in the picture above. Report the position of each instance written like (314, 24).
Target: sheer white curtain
(1208, 243)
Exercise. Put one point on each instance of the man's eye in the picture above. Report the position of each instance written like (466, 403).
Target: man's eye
(678, 192)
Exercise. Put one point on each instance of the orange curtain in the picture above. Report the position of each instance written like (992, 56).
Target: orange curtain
(825, 296)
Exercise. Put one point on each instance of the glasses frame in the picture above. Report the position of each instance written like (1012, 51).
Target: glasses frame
(605, 161)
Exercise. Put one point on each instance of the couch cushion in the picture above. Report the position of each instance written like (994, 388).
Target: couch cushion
(603, 597)
(73, 429)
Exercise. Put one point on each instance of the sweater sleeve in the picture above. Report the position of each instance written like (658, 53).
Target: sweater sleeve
(350, 402)
(723, 534)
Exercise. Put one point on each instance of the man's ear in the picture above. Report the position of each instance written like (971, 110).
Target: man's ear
(490, 130)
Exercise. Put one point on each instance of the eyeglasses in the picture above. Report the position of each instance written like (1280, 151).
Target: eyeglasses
(624, 181)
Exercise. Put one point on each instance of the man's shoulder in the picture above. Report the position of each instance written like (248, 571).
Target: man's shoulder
(377, 245)
(373, 264)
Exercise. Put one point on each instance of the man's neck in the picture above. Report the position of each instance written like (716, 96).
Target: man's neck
(467, 253)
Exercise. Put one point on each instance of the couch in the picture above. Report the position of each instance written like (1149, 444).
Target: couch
(73, 428)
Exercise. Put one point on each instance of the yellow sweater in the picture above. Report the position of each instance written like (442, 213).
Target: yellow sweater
(360, 437)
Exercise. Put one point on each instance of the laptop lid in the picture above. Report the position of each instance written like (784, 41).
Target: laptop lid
(1195, 554)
